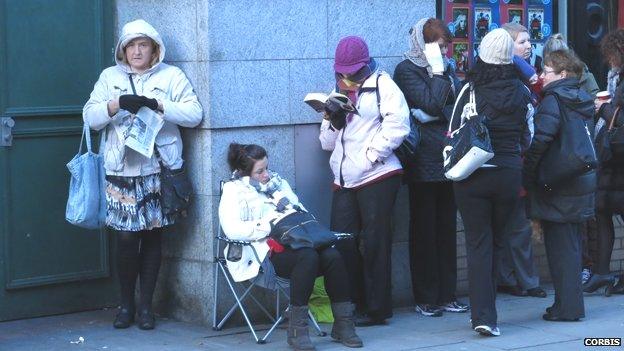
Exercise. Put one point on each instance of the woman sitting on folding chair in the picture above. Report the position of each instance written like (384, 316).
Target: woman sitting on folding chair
(250, 203)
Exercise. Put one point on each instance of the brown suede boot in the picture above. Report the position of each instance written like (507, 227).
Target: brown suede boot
(298, 333)
(343, 330)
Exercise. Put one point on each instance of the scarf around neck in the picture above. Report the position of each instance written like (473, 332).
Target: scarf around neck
(269, 188)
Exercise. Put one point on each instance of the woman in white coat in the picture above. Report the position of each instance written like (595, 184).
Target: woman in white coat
(251, 201)
(134, 205)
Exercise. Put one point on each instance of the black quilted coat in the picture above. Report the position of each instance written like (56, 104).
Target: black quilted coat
(435, 97)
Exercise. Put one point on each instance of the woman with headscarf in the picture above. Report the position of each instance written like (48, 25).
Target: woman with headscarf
(134, 204)
(430, 93)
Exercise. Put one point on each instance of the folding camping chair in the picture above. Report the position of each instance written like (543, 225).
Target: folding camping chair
(281, 287)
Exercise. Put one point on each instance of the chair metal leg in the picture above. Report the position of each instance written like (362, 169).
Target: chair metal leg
(242, 309)
(277, 322)
(215, 297)
(319, 332)
(235, 305)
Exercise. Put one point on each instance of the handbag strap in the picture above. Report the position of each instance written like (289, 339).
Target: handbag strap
(131, 83)
(614, 117)
(86, 134)
(461, 93)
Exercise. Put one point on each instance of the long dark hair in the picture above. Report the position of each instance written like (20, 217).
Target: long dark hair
(242, 157)
(483, 73)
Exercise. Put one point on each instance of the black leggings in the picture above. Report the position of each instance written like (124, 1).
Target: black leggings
(138, 254)
(304, 265)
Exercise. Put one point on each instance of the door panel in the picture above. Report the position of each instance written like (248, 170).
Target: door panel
(51, 53)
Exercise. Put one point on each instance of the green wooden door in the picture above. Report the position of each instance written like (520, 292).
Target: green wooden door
(51, 53)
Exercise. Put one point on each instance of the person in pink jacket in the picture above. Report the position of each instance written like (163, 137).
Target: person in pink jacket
(367, 174)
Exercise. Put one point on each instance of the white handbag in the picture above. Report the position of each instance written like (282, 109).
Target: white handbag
(467, 147)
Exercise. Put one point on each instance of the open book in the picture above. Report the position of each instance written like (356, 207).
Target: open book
(333, 102)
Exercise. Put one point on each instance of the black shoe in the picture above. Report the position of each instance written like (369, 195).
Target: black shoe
(124, 319)
(146, 320)
(536, 292)
(511, 290)
(429, 310)
(597, 281)
(619, 287)
(549, 317)
(368, 321)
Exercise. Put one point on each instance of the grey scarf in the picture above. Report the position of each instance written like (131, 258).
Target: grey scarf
(416, 52)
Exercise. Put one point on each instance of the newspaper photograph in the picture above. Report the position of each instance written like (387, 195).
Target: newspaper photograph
(141, 135)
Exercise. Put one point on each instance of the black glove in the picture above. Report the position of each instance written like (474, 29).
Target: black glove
(132, 103)
(337, 116)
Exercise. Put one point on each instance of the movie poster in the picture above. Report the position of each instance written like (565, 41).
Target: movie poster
(475, 51)
(460, 22)
(515, 16)
(535, 21)
(483, 18)
(460, 55)
(513, 2)
(536, 58)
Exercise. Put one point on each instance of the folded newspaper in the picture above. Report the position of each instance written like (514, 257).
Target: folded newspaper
(141, 135)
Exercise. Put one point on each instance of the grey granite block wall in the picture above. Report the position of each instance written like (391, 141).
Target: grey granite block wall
(251, 63)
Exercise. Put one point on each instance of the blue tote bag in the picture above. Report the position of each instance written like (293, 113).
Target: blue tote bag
(86, 204)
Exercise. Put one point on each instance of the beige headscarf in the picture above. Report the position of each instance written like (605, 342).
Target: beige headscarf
(416, 52)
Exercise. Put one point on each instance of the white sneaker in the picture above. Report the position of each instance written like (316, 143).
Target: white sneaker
(487, 330)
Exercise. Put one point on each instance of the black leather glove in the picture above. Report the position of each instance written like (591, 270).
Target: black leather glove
(132, 103)
(336, 115)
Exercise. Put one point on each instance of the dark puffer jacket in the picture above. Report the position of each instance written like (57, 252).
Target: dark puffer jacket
(435, 97)
(610, 194)
(503, 100)
(572, 202)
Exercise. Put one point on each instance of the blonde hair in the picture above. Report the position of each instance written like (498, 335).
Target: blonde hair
(514, 29)
(554, 43)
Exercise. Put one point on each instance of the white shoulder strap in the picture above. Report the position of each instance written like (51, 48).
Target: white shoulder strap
(461, 93)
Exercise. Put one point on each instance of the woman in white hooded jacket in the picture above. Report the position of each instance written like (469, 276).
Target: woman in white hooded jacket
(134, 208)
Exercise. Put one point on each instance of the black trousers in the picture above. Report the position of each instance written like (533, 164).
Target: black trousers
(516, 266)
(589, 235)
(486, 201)
(605, 237)
(139, 254)
(433, 242)
(563, 251)
(367, 212)
(304, 265)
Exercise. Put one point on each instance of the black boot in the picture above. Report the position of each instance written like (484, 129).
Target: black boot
(298, 333)
(344, 325)
(597, 281)
(146, 320)
(124, 318)
(619, 287)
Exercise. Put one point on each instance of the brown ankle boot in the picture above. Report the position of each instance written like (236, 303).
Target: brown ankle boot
(343, 330)
(298, 333)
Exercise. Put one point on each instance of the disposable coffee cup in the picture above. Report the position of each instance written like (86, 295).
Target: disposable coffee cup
(603, 95)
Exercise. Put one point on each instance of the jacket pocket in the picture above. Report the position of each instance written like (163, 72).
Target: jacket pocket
(167, 148)
(114, 157)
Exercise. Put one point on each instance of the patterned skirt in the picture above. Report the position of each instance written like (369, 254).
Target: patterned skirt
(134, 204)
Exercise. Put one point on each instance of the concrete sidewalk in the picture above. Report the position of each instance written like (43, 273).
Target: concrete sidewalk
(520, 323)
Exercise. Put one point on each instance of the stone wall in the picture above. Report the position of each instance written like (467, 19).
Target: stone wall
(251, 63)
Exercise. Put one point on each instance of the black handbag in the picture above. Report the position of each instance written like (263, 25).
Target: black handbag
(468, 147)
(175, 190)
(408, 147)
(301, 229)
(570, 155)
(610, 142)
